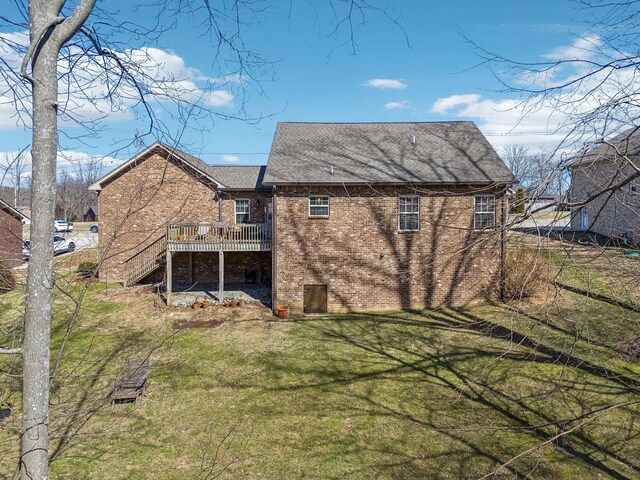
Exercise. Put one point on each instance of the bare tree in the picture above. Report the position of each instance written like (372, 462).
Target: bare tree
(592, 88)
(15, 166)
(56, 76)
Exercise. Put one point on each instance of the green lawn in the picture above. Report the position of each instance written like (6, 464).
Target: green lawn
(446, 394)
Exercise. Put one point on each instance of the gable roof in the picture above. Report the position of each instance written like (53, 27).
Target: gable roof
(363, 153)
(225, 177)
(195, 163)
(12, 211)
(625, 143)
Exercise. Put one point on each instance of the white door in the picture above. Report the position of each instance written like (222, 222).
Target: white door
(584, 219)
(268, 210)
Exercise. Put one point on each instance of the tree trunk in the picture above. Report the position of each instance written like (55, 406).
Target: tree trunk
(48, 32)
(36, 344)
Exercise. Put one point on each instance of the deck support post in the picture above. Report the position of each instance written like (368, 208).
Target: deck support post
(220, 276)
(190, 267)
(169, 277)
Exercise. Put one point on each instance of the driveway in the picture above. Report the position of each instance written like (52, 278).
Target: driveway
(83, 240)
(548, 221)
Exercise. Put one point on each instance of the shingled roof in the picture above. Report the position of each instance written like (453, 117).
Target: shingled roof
(363, 153)
(12, 211)
(626, 143)
(239, 177)
(227, 177)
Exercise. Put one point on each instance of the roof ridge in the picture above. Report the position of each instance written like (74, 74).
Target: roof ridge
(234, 166)
(379, 123)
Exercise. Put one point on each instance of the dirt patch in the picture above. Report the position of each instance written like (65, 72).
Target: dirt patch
(181, 324)
(631, 347)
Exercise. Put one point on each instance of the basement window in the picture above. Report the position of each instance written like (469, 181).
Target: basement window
(485, 212)
(319, 205)
(243, 211)
(409, 213)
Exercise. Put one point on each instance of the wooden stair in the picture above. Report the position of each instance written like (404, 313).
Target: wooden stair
(146, 261)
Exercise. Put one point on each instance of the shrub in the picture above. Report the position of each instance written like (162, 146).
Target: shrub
(88, 269)
(526, 273)
(518, 207)
(7, 278)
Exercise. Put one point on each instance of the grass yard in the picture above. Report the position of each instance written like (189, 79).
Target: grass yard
(448, 394)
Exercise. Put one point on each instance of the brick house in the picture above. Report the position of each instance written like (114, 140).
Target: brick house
(608, 211)
(10, 235)
(360, 216)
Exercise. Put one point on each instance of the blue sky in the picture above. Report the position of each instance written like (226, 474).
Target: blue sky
(318, 78)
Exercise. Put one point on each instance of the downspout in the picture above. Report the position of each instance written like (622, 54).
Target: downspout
(503, 244)
(274, 249)
(219, 205)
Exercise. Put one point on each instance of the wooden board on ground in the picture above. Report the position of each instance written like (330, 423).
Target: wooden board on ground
(130, 384)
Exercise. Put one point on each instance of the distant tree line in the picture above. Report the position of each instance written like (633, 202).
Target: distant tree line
(73, 196)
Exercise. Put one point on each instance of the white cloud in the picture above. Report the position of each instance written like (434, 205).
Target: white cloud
(397, 105)
(69, 162)
(88, 96)
(551, 119)
(584, 48)
(230, 158)
(442, 105)
(219, 98)
(385, 83)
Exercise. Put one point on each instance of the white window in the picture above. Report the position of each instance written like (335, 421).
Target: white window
(319, 206)
(485, 212)
(243, 208)
(409, 213)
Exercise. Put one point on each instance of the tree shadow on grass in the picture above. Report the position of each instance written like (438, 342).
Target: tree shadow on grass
(488, 391)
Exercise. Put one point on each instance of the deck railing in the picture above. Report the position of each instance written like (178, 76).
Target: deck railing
(145, 261)
(208, 237)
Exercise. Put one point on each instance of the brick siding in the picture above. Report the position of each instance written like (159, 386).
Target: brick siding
(368, 264)
(357, 252)
(136, 206)
(608, 216)
(10, 239)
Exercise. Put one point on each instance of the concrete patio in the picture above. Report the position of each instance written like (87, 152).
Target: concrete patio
(184, 295)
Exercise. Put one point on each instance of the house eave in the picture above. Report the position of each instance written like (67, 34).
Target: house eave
(392, 184)
(5, 206)
(97, 186)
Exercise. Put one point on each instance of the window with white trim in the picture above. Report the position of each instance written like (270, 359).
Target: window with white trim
(319, 205)
(243, 210)
(484, 215)
(408, 213)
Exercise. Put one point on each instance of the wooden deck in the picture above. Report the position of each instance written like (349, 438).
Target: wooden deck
(219, 236)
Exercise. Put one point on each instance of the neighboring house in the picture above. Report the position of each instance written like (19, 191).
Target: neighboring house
(609, 211)
(91, 215)
(10, 235)
(26, 214)
(360, 216)
(536, 199)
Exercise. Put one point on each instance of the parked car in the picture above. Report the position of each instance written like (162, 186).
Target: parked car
(60, 245)
(93, 228)
(62, 226)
